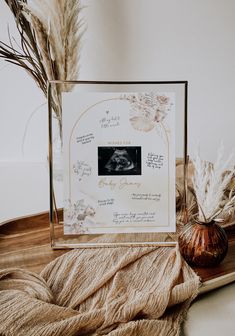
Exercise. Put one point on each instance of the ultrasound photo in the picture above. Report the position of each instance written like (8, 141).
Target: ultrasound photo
(119, 160)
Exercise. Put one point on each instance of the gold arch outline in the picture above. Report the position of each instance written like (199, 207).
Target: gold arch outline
(74, 126)
(168, 150)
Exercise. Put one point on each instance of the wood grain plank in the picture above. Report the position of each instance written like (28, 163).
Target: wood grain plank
(25, 243)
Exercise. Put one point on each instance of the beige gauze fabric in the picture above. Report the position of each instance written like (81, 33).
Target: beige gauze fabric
(120, 291)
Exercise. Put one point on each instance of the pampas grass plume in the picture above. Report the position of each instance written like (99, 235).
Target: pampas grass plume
(209, 182)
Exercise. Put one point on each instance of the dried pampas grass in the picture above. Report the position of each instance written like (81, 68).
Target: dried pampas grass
(59, 20)
(50, 33)
(227, 215)
(209, 183)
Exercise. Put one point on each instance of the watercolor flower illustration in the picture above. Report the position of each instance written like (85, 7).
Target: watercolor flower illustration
(76, 214)
(147, 109)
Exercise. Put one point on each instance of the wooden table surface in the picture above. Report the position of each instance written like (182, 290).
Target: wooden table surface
(25, 243)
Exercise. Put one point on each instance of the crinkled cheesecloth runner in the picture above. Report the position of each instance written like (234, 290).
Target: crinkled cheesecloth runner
(111, 291)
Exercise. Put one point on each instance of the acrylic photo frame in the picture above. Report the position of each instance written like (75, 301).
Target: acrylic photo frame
(61, 93)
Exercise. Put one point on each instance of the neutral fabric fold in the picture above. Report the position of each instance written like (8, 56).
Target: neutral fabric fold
(111, 291)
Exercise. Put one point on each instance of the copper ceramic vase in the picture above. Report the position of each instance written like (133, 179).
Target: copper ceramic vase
(203, 244)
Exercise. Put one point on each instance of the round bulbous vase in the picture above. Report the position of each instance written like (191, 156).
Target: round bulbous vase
(203, 244)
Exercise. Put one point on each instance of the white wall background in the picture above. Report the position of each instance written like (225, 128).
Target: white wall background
(137, 40)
